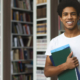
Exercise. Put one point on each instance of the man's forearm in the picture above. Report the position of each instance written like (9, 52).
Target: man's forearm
(54, 70)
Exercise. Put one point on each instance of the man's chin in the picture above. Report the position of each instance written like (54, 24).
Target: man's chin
(70, 28)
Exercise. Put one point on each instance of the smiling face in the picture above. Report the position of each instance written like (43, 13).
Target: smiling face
(69, 18)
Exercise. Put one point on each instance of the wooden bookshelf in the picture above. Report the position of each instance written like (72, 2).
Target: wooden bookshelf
(21, 27)
(42, 19)
(15, 21)
(19, 9)
(45, 35)
(41, 4)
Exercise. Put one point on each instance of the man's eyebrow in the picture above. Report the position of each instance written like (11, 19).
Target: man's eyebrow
(67, 12)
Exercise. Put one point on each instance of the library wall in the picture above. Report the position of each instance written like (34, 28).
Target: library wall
(54, 18)
(54, 23)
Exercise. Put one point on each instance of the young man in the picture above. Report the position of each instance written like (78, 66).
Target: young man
(68, 10)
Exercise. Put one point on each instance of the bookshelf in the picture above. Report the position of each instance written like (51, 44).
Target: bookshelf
(41, 37)
(45, 28)
(21, 39)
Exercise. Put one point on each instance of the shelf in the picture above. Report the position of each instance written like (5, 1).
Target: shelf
(40, 50)
(21, 73)
(21, 22)
(41, 34)
(21, 47)
(21, 60)
(41, 66)
(41, 4)
(14, 34)
(42, 19)
(19, 9)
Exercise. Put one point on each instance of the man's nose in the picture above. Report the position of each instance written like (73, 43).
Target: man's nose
(69, 16)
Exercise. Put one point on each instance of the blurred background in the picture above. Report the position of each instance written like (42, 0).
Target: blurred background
(26, 28)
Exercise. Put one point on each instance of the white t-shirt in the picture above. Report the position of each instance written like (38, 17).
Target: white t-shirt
(62, 40)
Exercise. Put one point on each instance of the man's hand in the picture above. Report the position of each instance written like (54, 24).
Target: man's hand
(71, 62)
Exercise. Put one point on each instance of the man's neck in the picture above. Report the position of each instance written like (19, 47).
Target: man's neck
(72, 33)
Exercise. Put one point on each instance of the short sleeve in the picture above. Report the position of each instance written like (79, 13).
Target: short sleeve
(49, 48)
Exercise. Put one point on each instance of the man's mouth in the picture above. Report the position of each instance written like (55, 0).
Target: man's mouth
(69, 22)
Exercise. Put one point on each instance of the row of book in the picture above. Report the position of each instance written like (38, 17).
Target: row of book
(21, 54)
(60, 24)
(43, 40)
(24, 4)
(41, 1)
(40, 75)
(41, 12)
(41, 28)
(20, 16)
(19, 41)
(41, 59)
(22, 29)
(22, 77)
(78, 23)
(41, 44)
(19, 66)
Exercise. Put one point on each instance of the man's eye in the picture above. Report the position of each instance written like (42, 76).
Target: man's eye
(73, 14)
(65, 14)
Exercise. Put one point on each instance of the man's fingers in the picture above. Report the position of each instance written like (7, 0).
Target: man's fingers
(76, 62)
(76, 65)
(70, 55)
(74, 58)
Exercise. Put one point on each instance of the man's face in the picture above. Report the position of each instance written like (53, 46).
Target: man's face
(69, 18)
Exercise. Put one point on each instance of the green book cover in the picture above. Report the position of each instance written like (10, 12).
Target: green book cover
(59, 56)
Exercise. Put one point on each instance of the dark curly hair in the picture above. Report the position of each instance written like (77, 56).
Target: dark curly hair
(68, 3)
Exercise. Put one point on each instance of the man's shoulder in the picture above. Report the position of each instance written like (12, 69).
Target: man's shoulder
(57, 37)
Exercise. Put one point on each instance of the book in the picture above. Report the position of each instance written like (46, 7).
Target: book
(59, 56)
(16, 54)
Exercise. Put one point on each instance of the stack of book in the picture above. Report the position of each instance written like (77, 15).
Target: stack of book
(40, 75)
(21, 16)
(19, 66)
(19, 54)
(41, 1)
(41, 59)
(24, 4)
(41, 28)
(22, 29)
(41, 12)
(22, 77)
(19, 41)
(58, 57)
(41, 43)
